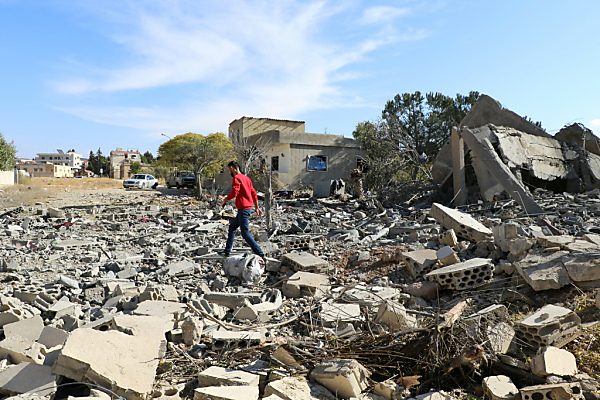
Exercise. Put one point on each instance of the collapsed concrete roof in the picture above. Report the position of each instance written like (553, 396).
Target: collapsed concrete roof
(533, 157)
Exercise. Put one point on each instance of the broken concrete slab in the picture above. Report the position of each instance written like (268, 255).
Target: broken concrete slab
(52, 337)
(23, 350)
(27, 377)
(463, 224)
(543, 272)
(141, 325)
(30, 329)
(582, 267)
(226, 393)
(500, 387)
(218, 376)
(122, 363)
(554, 361)
(306, 284)
(500, 337)
(394, 315)
(333, 314)
(343, 377)
(232, 340)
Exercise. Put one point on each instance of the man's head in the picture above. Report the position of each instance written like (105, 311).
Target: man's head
(234, 168)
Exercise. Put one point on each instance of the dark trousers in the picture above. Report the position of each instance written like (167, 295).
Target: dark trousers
(241, 221)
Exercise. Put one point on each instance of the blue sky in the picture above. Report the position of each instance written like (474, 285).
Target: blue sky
(90, 74)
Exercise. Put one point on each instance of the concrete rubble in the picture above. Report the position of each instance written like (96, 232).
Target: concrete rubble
(354, 299)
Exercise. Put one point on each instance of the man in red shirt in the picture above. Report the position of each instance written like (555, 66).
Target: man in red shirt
(245, 196)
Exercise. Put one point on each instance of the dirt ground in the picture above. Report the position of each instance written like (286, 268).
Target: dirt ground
(61, 192)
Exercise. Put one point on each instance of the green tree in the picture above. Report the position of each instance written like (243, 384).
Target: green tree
(148, 157)
(92, 163)
(135, 168)
(8, 152)
(204, 155)
(411, 124)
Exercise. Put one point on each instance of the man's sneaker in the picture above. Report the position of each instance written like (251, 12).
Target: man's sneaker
(223, 253)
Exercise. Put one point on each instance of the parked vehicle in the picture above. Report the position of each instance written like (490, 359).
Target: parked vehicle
(141, 181)
(181, 179)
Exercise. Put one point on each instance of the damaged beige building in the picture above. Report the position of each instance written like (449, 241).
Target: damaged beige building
(297, 159)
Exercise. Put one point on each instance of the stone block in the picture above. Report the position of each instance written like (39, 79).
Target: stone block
(230, 340)
(543, 272)
(464, 275)
(447, 256)
(333, 314)
(500, 387)
(426, 290)
(226, 393)
(394, 315)
(306, 262)
(565, 391)
(297, 388)
(549, 326)
(463, 224)
(22, 350)
(554, 361)
(449, 238)
(419, 262)
(218, 376)
(125, 364)
(500, 336)
(582, 266)
(30, 328)
(191, 330)
(27, 377)
(503, 233)
(343, 377)
(263, 311)
(306, 284)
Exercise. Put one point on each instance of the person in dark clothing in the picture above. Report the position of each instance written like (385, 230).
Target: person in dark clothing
(245, 197)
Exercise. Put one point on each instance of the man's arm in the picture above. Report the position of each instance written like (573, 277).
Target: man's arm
(235, 189)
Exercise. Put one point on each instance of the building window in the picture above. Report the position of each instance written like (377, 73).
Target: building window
(275, 163)
(317, 163)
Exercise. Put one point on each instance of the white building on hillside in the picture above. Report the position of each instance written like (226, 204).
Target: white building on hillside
(70, 158)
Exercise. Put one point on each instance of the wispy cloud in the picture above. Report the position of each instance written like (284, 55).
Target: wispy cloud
(381, 14)
(268, 58)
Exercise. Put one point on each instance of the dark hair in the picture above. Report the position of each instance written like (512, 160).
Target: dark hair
(234, 164)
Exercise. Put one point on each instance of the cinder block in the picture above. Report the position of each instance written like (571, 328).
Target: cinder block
(218, 376)
(463, 224)
(345, 378)
(303, 261)
(500, 387)
(30, 328)
(226, 393)
(554, 391)
(13, 310)
(159, 293)
(464, 275)
(554, 361)
(306, 284)
(447, 256)
(419, 262)
(549, 326)
(394, 315)
(23, 350)
(300, 244)
(231, 340)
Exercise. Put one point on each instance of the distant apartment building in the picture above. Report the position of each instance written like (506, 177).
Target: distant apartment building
(70, 158)
(46, 170)
(120, 162)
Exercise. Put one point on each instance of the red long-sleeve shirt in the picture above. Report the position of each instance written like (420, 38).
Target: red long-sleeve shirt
(243, 191)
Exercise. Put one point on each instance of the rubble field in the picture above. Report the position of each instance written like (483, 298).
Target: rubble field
(121, 293)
